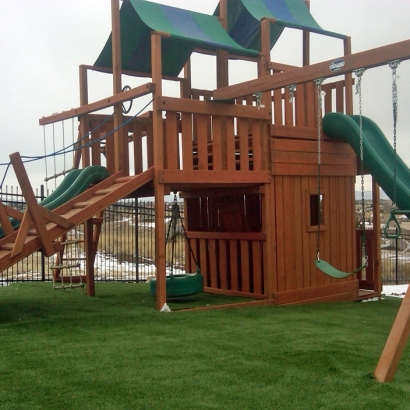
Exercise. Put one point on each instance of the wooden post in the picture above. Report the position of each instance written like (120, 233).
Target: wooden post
(121, 160)
(158, 131)
(306, 42)
(376, 238)
(268, 209)
(84, 124)
(349, 81)
(396, 342)
(222, 61)
(89, 256)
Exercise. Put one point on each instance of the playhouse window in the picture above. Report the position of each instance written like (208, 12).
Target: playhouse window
(316, 204)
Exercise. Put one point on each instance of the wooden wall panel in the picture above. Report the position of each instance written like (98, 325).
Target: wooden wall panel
(187, 146)
(257, 268)
(171, 153)
(234, 265)
(297, 240)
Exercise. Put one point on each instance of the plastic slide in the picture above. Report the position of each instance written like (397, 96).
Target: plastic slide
(76, 182)
(378, 154)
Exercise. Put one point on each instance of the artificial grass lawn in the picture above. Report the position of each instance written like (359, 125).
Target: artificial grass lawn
(63, 350)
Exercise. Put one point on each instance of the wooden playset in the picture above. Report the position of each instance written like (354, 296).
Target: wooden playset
(269, 197)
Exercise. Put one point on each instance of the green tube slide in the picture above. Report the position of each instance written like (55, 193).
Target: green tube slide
(76, 182)
(378, 154)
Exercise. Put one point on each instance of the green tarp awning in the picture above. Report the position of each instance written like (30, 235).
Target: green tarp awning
(188, 30)
(244, 18)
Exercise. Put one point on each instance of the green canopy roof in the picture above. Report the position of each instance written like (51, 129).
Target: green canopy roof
(188, 30)
(244, 18)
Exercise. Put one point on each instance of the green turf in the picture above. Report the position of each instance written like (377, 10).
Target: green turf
(62, 350)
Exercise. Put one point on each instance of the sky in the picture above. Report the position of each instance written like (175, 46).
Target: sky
(43, 42)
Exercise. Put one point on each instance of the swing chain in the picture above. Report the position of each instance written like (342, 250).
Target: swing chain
(258, 97)
(292, 89)
(359, 74)
(319, 83)
(394, 65)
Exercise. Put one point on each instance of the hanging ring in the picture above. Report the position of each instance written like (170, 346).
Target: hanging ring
(124, 110)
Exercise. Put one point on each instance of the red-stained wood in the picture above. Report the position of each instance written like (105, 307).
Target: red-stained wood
(277, 107)
(258, 136)
(319, 292)
(376, 244)
(257, 267)
(202, 144)
(5, 221)
(243, 145)
(280, 234)
(213, 263)
(348, 79)
(150, 146)
(245, 267)
(99, 105)
(110, 148)
(230, 145)
(299, 233)
(32, 206)
(396, 342)
(187, 158)
(213, 108)
(234, 264)
(95, 147)
(300, 106)
(218, 141)
(223, 266)
(138, 153)
(89, 257)
(365, 59)
(171, 141)
(204, 261)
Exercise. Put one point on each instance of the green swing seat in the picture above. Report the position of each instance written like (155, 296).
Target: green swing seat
(330, 270)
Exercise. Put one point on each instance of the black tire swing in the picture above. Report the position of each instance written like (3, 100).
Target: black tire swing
(323, 265)
(185, 284)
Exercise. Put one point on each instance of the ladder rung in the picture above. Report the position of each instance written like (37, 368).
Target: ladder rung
(74, 259)
(73, 265)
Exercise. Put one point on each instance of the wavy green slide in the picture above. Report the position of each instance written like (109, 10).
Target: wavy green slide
(76, 182)
(378, 154)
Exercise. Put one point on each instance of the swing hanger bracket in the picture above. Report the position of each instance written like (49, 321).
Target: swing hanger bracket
(394, 64)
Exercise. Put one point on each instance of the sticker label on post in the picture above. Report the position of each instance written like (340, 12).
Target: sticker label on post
(337, 65)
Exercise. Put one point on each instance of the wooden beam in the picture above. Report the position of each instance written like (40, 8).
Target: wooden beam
(158, 142)
(365, 59)
(53, 217)
(32, 204)
(89, 256)
(100, 104)
(348, 79)
(120, 144)
(396, 342)
(84, 124)
(4, 220)
(168, 176)
(377, 257)
(211, 108)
